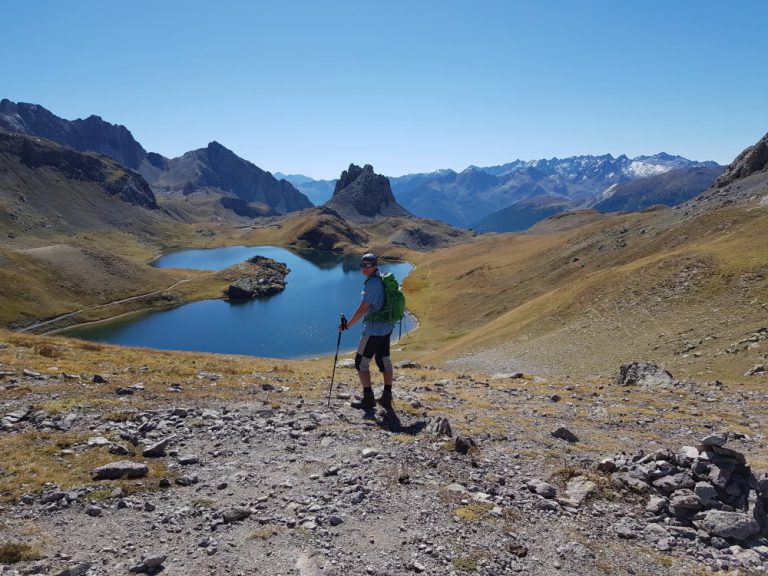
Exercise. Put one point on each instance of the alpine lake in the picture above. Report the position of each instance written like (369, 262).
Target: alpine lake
(299, 322)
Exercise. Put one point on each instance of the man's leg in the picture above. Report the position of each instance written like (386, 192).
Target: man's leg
(365, 353)
(384, 362)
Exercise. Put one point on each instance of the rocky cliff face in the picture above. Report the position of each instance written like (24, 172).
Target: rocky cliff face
(752, 160)
(361, 195)
(89, 135)
(38, 154)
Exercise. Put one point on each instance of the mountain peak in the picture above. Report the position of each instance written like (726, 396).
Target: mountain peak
(361, 194)
(90, 135)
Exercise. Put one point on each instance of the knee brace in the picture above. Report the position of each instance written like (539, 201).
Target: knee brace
(384, 363)
(362, 363)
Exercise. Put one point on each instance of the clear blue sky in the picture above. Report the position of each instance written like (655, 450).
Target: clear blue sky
(408, 86)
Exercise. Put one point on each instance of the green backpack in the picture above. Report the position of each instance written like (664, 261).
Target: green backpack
(394, 301)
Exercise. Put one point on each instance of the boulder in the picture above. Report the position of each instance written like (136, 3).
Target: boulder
(541, 488)
(565, 434)
(579, 488)
(464, 444)
(643, 374)
(733, 525)
(157, 449)
(120, 470)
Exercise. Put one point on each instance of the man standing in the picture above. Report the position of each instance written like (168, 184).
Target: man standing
(375, 339)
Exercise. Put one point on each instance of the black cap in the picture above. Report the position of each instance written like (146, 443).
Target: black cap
(369, 258)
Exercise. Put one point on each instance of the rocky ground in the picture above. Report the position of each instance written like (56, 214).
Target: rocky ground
(469, 474)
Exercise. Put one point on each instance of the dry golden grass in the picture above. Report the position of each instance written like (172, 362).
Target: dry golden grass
(33, 459)
(13, 552)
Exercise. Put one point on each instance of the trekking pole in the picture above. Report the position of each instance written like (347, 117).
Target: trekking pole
(335, 358)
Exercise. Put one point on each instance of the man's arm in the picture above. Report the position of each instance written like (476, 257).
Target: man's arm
(359, 313)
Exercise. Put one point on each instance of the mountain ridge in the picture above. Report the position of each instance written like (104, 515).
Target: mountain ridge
(256, 193)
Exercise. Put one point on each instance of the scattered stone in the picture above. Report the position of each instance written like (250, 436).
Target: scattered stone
(188, 460)
(643, 374)
(369, 453)
(565, 434)
(52, 497)
(157, 449)
(506, 375)
(31, 374)
(150, 564)
(656, 505)
(119, 450)
(175, 388)
(541, 488)
(579, 489)
(78, 570)
(759, 369)
(464, 444)
(684, 504)
(98, 441)
(235, 514)
(717, 439)
(124, 391)
(122, 469)
(99, 379)
(607, 465)
(441, 427)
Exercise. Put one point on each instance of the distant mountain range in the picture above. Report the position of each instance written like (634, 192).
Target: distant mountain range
(201, 183)
(496, 198)
(213, 182)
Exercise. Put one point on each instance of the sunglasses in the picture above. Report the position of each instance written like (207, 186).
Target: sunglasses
(367, 265)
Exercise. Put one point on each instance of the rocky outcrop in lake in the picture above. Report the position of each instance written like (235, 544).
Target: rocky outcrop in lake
(259, 276)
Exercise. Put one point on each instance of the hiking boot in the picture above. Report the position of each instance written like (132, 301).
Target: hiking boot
(385, 400)
(364, 404)
(367, 403)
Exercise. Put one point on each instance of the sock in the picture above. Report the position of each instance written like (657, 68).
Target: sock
(387, 390)
(368, 393)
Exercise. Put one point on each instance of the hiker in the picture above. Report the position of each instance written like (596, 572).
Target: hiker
(374, 343)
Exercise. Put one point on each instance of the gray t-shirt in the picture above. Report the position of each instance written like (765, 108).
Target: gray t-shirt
(373, 293)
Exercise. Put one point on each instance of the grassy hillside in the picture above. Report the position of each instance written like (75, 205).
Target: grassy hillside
(664, 285)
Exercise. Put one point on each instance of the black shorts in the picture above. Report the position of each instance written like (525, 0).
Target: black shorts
(373, 346)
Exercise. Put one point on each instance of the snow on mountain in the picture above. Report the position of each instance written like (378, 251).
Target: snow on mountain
(640, 169)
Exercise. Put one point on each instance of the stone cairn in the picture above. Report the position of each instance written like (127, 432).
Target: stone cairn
(709, 487)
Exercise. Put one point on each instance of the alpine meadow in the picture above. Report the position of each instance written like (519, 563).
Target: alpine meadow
(577, 383)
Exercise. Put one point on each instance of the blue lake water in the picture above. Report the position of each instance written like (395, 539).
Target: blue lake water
(300, 321)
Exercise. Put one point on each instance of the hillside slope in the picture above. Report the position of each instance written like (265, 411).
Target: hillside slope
(49, 191)
(524, 214)
(677, 286)
(669, 188)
